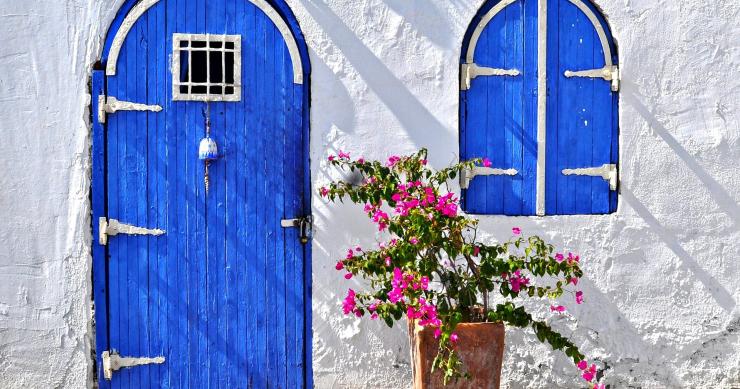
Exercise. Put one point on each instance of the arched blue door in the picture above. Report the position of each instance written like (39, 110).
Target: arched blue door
(201, 277)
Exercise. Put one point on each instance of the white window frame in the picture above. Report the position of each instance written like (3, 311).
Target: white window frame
(177, 95)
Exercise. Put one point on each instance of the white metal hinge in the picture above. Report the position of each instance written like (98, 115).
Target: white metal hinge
(113, 227)
(469, 71)
(112, 362)
(111, 104)
(606, 171)
(609, 73)
(304, 224)
(467, 175)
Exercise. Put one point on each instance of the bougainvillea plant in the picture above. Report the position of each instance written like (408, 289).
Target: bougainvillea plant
(433, 269)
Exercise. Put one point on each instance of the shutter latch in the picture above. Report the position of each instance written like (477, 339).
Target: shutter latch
(111, 104)
(305, 224)
(607, 171)
(609, 73)
(113, 227)
(112, 362)
(467, 175)
(469, 71)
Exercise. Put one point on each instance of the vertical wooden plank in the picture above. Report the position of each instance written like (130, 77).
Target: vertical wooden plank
(513, 49)
(175, 216)
(262, 195)
(250, 96)
(528, 172)
(553, 184)
(99, 252)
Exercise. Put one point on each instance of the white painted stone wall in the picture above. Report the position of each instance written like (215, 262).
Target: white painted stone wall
(663, 272)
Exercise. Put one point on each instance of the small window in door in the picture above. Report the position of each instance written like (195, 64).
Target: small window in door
(206, 67)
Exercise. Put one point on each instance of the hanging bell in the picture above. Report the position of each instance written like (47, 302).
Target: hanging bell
(208, 150)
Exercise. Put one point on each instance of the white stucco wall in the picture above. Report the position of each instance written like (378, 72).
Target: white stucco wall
(663, 272)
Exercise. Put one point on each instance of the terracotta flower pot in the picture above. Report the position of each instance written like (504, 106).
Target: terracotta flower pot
(480, 347)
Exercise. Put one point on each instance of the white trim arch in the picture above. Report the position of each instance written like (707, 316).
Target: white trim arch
(482, 25)
(140, 8)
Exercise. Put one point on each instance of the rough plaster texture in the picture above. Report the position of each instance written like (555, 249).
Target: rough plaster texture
(663, 272)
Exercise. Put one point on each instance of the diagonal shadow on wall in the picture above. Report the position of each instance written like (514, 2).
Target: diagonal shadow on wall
(390, 90)
(718, 193)
(718, 292)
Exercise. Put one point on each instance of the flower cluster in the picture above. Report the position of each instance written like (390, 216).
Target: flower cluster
(430, 242)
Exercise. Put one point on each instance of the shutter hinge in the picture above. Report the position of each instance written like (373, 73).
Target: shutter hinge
(305, 224)
(609, 73)
(111, 104)
(469, 71)
(607, 171)
(467, 175)
(112, 362)
(114, 227)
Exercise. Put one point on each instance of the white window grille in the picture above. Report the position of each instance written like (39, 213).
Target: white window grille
(206, 67)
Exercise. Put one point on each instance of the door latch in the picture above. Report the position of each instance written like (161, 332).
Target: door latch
(304, 224)
(113, 227)
(112, 362)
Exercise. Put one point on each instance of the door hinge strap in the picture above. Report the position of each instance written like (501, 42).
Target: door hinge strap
(113, 227)
(609, 73)
(467, 175)
(112, 362)
(606, 171)
(111, 104)
(305, 224)
(469, 71)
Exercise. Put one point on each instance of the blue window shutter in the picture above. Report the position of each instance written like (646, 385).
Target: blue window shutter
(582, 113)
(498, 113)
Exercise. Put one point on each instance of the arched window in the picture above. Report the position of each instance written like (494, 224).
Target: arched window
(538, 96)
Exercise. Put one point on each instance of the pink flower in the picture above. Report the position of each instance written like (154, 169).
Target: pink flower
(331, 158)
(361, 160)
(453, 337)
(395, 295)
(517, 281)
(437, 333)
(476, 251)
(573, 280)
(424, 282)
(374, 316)
(559, 257)
(324, 191)
(343, 155)
(486, 162)
(599, 386)
(582, 364)
(579, 297)
(393, 160)
(589, 374)
(358, 249)
(516, 230)
(387, 261)
(348, 276)
(557, 308)
(350, 254)
(348, 305)
(414, 240)
(573, 258)
(339, 266)
(372, 307)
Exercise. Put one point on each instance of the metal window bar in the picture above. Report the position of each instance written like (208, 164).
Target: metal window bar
(235, 94)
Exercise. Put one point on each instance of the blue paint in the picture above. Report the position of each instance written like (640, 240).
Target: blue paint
(498, 114)
(224, 295)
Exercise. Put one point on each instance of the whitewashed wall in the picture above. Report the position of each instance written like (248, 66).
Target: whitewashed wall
(663, 272)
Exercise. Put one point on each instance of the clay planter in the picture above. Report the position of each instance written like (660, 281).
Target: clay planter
(480, 347)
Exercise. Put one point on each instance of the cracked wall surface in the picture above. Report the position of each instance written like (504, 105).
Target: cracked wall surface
(663, 273)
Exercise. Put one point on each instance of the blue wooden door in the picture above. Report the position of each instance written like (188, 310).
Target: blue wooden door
(553, 155)
(221, 294)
